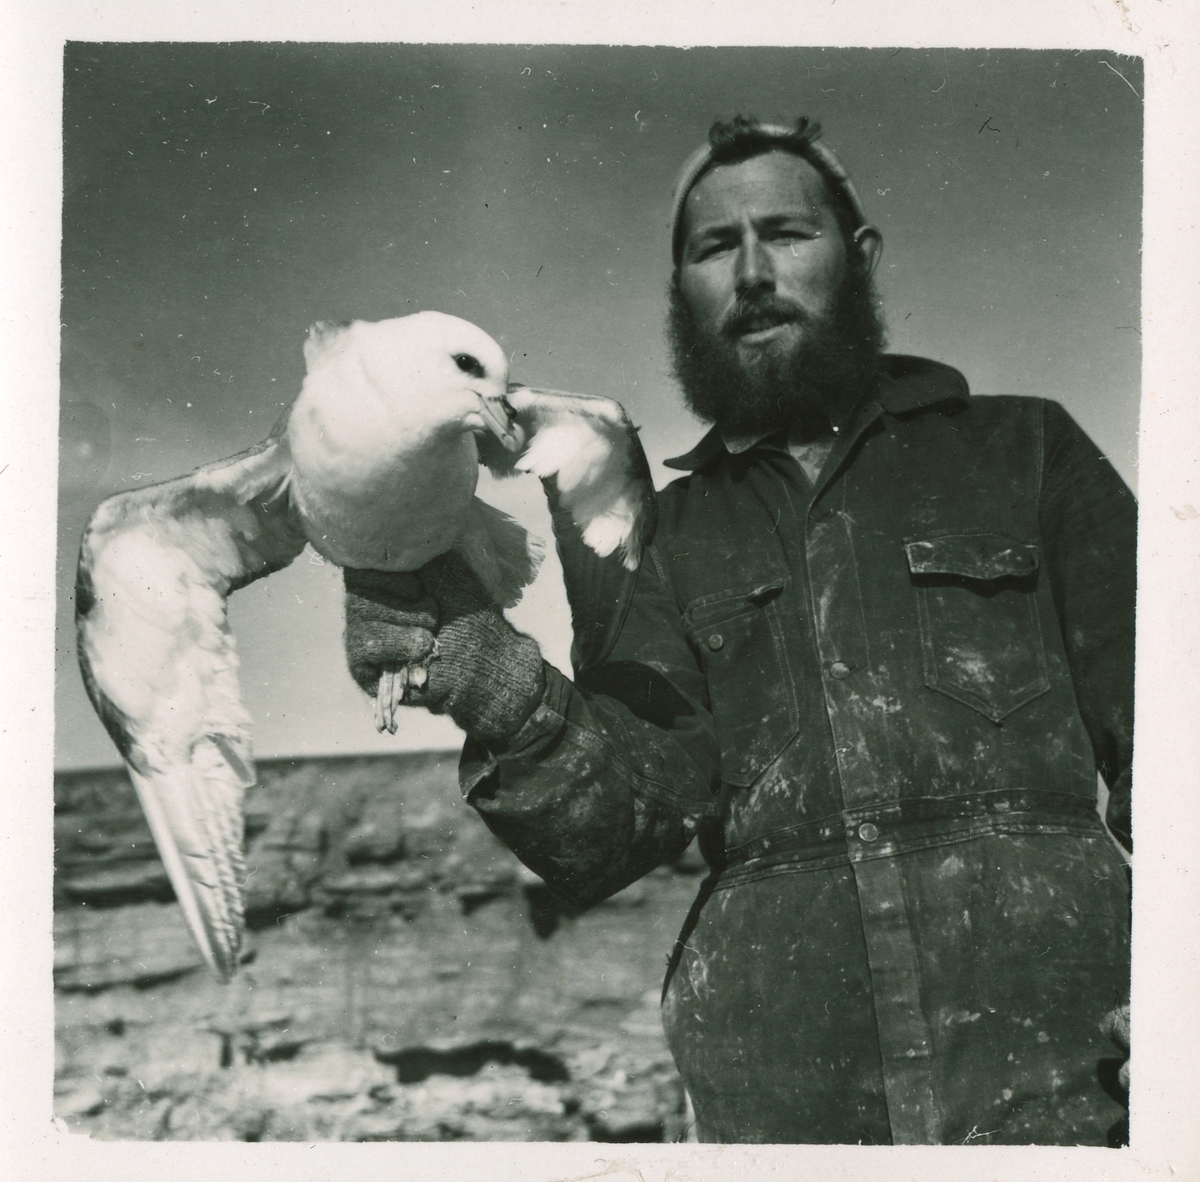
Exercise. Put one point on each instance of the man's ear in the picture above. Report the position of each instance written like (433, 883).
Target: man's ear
(870, 243)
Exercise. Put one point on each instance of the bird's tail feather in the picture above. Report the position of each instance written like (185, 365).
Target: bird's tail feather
(500, 551)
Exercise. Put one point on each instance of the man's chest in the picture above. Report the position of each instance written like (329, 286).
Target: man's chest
(913, 567)
(900, 502)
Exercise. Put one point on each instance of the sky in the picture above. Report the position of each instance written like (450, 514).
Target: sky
(220, 198)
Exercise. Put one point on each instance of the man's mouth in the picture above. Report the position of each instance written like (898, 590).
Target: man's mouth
(753, 324)
(763, 336)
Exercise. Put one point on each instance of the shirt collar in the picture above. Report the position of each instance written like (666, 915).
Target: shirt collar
(908, 384)
(736, 444)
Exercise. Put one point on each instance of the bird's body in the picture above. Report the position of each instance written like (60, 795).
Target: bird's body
(435, 489)
(374, 465)
(384, 458)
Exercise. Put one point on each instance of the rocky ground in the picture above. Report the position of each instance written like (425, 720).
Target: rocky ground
(406, 978)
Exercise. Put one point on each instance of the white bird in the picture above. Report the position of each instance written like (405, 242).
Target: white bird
(375, 466)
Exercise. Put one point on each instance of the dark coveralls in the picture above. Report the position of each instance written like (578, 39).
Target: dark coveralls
(882, 701)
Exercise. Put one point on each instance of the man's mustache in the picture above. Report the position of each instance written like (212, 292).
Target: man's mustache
(760, 310)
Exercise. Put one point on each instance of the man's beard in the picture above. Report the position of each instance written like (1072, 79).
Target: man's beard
(807, 390)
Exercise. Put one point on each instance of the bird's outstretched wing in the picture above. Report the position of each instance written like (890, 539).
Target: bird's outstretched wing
(592, 450)
(160, 664)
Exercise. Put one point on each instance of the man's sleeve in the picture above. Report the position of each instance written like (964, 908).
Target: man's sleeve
(613, 774)
(1089, 529)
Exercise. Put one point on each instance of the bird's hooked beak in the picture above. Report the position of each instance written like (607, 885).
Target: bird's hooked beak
(500, 418)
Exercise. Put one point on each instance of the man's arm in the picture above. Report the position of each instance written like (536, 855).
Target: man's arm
(612, 775)
(591, 784)
(1089, 528)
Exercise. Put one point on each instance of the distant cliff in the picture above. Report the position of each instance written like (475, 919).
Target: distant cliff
(405, 978)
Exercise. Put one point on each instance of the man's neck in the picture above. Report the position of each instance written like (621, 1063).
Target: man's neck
(811, 454)
(811, 439)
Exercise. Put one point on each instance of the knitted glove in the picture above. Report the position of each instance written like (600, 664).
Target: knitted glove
(479, 669)
(487, 676)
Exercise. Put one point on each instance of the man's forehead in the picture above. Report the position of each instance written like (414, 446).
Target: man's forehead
(770, 184)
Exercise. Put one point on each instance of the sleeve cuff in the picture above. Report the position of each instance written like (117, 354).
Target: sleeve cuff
(547, 722)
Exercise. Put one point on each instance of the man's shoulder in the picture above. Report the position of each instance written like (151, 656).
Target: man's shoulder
(1025, 408)
(1013, 404)
(989, 431)
(912, 385)
(1022, 416)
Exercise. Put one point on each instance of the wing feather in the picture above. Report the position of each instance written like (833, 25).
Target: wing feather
(592, 451)
(160, 663)
(500, 551)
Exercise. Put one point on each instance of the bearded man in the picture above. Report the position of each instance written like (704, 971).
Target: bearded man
(874, 658)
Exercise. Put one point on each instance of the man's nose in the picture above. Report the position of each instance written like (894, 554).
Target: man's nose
(753, 265)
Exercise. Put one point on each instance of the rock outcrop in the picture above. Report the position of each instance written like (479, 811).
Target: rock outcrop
(405, 977)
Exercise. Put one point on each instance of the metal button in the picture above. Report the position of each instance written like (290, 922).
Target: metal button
(716, 641)
(868, 832)
(839, 669)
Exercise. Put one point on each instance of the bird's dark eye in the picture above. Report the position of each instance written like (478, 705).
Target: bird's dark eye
(469, 364)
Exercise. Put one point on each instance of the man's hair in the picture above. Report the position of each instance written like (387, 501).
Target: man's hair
(743, 137)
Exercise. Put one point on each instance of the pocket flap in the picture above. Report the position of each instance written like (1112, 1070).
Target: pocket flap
(732, 602)
(985, 557)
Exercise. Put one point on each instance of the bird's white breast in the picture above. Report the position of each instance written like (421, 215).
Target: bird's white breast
(384, 503)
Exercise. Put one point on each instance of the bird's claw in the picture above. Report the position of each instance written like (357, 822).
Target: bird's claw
(418, 675)
(392, 684)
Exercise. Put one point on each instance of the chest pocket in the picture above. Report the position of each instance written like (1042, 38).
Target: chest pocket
(739, 637)
(981, 638)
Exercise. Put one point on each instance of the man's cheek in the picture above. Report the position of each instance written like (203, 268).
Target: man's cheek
(708, 298)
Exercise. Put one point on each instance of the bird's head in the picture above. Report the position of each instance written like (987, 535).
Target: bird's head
(425, 366)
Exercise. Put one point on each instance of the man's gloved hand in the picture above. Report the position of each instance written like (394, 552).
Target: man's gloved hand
(1116, 1026)
(443, 644)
